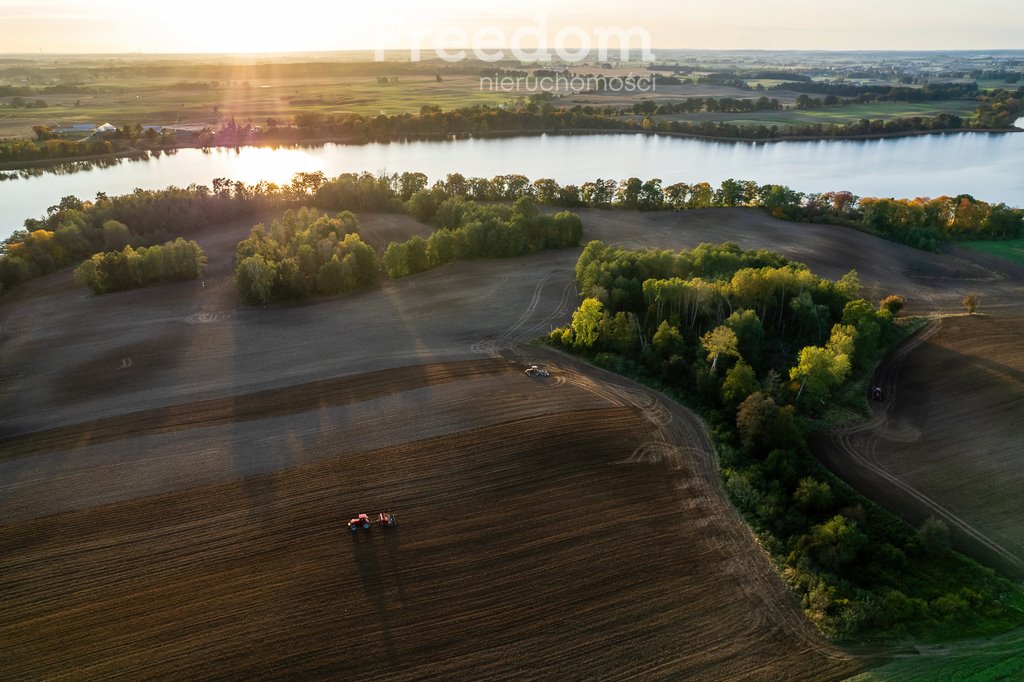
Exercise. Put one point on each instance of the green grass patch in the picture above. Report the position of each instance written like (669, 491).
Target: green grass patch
(995, 658)
(1011, 250)
(998, 85)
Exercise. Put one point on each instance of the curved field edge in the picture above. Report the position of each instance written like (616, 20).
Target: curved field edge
(840, 449)
(959, 569)
(260, 576)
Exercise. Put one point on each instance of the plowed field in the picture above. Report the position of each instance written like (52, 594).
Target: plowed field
(560, 528)
(176, 472)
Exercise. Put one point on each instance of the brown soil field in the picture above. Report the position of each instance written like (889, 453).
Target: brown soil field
(946, 441)
(176, 471)
(581, 535)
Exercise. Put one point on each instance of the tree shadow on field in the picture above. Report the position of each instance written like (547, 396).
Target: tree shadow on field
(972, 377)
(959, 406)
(365, 553)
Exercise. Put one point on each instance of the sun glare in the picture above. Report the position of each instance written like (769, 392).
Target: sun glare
(225, 29)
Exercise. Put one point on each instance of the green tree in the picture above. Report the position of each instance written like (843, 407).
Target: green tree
(892, 304)
(813, 495)
(836, 542)
(87, 274)
(331, 278)
(586, 323)
(115, 235)
(843, 340)
(970, 303)
(619, 332)
(289, 281)
(422, 205)
(819, 371)
(442, 247)
(416, 257)
(628, 194)
(668, 340)
(740, 382)
(848, 285)
(749, 334)
(718, 342)
(396, 260)
(255, 278)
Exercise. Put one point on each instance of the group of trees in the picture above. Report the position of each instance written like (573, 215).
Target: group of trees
(854, 93)
(692, 105)
(304, 253)
(1001, 108)
(12, 151)
(699, 290)
(49, 146)
(922, 222)
(130, 268)
(469, 230)
(484, 120)
(756, 343)
(73, 229)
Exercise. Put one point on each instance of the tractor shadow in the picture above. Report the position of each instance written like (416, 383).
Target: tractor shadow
(375, 555)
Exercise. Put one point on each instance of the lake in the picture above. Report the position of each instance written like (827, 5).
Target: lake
(988, 166)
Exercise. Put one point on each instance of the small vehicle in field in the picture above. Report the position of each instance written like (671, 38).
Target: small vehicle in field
(876, 394)
(384, 519)
(536, 371)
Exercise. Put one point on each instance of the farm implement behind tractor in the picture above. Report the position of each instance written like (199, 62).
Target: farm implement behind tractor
(363, 521)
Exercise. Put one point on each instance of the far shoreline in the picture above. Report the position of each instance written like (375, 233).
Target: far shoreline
(67, 164)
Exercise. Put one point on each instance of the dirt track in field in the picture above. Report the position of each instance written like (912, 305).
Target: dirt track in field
(175, 472)
(946, 442)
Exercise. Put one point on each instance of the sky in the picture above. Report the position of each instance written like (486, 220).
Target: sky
(115, 26)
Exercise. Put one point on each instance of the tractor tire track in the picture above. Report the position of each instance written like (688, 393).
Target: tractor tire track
(859, 443)
(681, 439)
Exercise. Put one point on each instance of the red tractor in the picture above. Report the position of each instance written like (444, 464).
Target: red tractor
(361, 521)
(384, 519)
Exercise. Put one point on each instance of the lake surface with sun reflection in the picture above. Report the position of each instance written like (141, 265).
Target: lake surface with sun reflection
(987, 166)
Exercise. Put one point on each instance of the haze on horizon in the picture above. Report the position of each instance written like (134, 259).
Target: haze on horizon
(191, 26)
